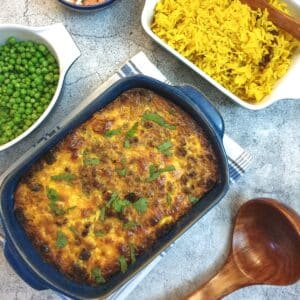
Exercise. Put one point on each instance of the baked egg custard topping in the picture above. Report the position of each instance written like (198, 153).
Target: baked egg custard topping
(114, 185)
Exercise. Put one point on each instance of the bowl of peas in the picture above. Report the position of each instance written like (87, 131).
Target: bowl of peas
(33, 65)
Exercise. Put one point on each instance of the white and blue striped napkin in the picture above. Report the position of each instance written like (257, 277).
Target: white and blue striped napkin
(238, 158)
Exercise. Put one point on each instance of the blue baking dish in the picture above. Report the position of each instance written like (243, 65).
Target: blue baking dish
(18, 249)
(86, 8)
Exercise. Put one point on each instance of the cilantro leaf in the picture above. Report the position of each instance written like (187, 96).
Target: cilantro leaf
(141, 205)
(123, 264)
(56, 209)
(61, 240)
(70, 208)
(156, 118)
(99, 233)
(132, 253)
(132, 131)
(102, 214)
(90, 161)
(169, 199)
(122, 172)
(155, 172)
(52, 194)
(119, 205)
(193, 200)
(111, 133)
(97, 275)
(74, 231)
(130, 134)
(130, 225)
(127, 144)
(67, 176)
(165, 148)
(53, 198)
(113, 197)
(167, 169)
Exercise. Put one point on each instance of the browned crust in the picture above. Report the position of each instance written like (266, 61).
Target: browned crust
(94, 183)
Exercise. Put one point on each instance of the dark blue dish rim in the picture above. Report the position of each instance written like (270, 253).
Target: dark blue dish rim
(41, 275)
(86, 7)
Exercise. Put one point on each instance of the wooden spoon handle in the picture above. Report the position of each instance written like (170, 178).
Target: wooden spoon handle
(282, 20)
(226, 281)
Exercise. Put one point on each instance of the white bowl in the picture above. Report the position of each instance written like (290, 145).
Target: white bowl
(60, 44)
(286, 88)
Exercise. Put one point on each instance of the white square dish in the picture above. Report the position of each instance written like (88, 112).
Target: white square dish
(286, 88)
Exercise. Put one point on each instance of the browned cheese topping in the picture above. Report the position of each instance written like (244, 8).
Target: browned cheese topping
(115, 184)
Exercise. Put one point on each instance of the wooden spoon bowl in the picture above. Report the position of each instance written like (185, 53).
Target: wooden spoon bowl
(265, 250)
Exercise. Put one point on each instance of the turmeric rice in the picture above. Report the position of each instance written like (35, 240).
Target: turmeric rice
(235, 45)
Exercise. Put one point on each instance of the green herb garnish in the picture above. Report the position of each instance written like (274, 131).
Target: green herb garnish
(97, 275)
(172, 111)
(55, 209)
(123, 264)
(193, 200)
(132, 253)
(122, 172)
(165, 148)
(74, 231)
(113, 197)
(61, 240)
(67, 176)
(132, 131)
(90, 161)
(127, 144)
(130, 134)
(169, 199)
(111, 133)
(102, 214)
(52, 194)
(141, 205)
(119, 205)
(53, 198)
(99, 233)
(155, 172)
(70, 208)
(156, 118)
(130, 225)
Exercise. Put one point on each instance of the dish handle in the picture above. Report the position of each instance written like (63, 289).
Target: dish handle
(211, 113)
(62, 42)
(21, 269)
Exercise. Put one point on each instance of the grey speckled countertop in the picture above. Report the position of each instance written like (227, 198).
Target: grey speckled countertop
(107, 39)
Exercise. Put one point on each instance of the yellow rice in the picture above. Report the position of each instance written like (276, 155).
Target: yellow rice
(237, 46)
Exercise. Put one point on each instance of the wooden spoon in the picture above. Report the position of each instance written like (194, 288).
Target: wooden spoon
(265, 250)
(282, 20)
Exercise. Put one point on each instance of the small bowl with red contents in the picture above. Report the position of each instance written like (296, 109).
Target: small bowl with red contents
(86, 5)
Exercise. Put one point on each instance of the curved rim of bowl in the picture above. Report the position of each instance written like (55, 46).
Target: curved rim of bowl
(54, 99)
(86, 7)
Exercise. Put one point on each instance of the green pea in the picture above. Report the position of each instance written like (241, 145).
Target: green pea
(29, 75)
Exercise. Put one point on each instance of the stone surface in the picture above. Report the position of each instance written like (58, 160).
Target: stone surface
(106, 39)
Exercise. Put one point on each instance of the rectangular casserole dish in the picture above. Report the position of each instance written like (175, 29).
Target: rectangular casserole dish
(285, 88)
(19, 250)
